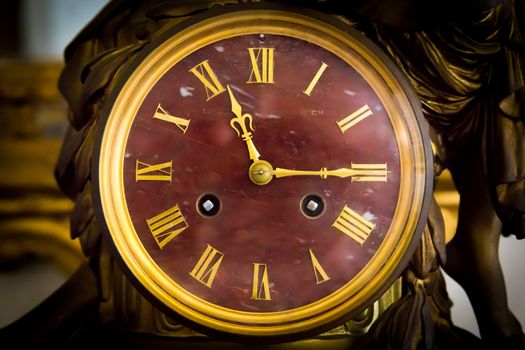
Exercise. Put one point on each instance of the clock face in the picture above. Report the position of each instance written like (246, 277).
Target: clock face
(261, 175)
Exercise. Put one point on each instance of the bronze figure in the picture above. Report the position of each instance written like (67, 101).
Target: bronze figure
(470, 77)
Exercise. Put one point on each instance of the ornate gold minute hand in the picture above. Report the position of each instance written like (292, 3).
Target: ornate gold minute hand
(243, 120)
(262, 172)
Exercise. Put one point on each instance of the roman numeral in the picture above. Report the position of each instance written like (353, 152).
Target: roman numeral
(262, 65)
(320, 274)
(207, 266)
(369, 172)
(261, 287)
(316, 78)
(167, 225)
(160, 113)
(353, 225)
(207, 77)
(156, 172)
(354, 118)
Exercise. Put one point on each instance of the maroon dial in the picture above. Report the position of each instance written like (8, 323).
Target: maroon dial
(341, 123)
(273, 173)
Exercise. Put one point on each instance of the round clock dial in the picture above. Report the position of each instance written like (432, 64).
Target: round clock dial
(263, 173)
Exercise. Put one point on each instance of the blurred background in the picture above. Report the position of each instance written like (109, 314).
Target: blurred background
(36, 253)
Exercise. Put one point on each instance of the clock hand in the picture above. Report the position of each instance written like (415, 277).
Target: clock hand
(323, 172)
(240, 119)
(262, 172)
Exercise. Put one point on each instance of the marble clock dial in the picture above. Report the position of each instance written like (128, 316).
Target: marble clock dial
(262, 248)
(262, 173)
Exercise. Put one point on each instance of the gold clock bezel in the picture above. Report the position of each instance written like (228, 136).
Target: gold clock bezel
(413, 145)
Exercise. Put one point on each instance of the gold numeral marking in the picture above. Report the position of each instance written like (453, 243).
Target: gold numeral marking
(261, 286)
(354, 118)
(320, 274)
(167, 225)
(316, 78)
(181, 123)
(353, 225)
(369, 172)
(207, 77)
(156, 172)
(262, 65)
(207, 266)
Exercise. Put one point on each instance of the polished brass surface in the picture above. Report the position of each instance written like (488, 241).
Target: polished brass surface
(448, 199)
(261, 172)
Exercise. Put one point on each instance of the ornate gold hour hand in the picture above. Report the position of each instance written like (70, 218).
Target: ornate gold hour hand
(243, 121)
(262, 172)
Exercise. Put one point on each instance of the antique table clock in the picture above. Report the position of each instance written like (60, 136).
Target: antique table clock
(262, 172)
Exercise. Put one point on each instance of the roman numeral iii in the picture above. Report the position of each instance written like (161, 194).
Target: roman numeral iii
(156, 172)
(353, 225)
(207, 77)
(207, 266)
(262, 65)
(261, 286)
(369, 172)
(160, 113)
(354, 118)
(167, 225)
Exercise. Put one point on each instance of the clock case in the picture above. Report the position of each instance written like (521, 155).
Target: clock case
(142, 49)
